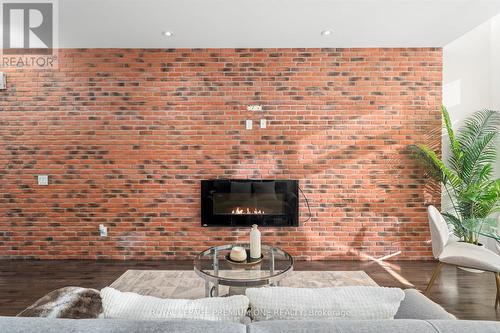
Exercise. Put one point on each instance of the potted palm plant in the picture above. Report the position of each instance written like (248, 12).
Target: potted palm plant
(466, 175)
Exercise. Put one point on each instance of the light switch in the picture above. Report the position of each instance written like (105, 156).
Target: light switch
(248, 124)
(3, 81)
(263, 123)
(43, 180)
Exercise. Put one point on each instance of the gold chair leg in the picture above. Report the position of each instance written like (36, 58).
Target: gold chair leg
(435, 274)
(497, 300)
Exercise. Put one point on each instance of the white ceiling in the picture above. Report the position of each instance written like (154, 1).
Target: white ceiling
(268, 23)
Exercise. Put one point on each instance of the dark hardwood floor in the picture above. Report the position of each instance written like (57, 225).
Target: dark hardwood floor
(466, 295)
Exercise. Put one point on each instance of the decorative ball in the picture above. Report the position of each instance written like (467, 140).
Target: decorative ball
(238, 253)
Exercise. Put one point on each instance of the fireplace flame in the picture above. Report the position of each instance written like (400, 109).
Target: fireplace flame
(247, 211)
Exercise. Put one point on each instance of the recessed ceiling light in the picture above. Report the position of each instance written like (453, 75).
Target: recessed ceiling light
(168, 33)
(326, 33)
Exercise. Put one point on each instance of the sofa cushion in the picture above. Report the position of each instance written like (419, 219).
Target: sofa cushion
(375, 326)
(67, 302)
(126, 305)
(465, 326)
(45, 325)
(417, 306)
(342, 326)
(355, 302)
(53, 325)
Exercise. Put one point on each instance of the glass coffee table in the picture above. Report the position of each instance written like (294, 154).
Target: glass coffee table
(212, 266)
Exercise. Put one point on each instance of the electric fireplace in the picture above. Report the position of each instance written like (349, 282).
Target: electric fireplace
(243, 202)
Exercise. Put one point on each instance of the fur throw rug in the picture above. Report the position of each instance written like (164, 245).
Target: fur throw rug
(67, 302)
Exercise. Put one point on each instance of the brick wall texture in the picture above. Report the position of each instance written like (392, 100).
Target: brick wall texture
(126, 135)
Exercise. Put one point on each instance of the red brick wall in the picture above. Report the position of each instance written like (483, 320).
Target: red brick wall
(127, 135)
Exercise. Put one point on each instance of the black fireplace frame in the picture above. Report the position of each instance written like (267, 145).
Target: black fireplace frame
(288, 190)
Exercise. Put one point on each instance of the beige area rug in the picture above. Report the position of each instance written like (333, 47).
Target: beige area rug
(188, 285)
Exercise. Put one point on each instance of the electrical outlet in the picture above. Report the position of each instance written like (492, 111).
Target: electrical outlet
(263, 123)
(248, 124)
(43, 180)
(103, 231)
(3, 81)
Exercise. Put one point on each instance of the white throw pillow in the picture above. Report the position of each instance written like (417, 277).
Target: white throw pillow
(358, 302)
(125, 305)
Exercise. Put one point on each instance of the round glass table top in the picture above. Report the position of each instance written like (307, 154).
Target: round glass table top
(213, 266)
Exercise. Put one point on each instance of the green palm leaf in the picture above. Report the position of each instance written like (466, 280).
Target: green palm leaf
(439, 169)
(456, 156)
(476, 126)
(458, 228)
(485, 173)
(479, 154)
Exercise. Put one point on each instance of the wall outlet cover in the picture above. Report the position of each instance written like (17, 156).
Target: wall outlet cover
(263, 123)
(103, 231)
(3, 81)
(248, 124)
(43, 180)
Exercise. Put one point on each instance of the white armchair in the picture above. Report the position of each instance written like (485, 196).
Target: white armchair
(459, 253)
